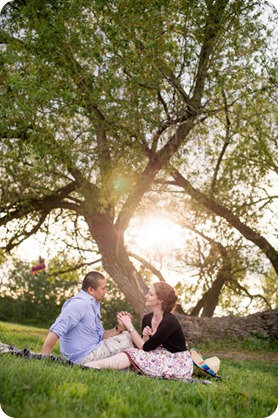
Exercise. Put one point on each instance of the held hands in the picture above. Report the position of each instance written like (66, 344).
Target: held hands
(125, 313)
(124, 319)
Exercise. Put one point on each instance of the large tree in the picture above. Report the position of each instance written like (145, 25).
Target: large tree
(98, 98)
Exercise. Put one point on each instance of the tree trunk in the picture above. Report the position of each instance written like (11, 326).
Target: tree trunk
(209, 300)
(261, 324)
(116, 262)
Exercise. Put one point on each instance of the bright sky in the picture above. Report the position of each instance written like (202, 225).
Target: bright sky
(156, 234)
(31, 249)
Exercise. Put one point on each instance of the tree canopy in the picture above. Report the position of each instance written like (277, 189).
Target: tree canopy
(108, 107)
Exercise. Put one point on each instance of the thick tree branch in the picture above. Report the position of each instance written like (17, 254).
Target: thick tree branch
(46, 204)
(228, 215)
(212, 31)
(225, 145)
(15, 241)
(156, 162)
(76, 267)
(243, 289)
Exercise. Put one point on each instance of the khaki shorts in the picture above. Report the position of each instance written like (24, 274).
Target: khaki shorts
(110, 346)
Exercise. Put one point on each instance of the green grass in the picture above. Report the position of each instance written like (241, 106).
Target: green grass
(37, 389)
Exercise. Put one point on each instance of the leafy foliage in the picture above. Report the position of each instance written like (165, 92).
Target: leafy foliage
(34, 299)
(99, 99)
(38, 299)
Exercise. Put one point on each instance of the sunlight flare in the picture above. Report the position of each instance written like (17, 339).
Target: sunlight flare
(156, 234)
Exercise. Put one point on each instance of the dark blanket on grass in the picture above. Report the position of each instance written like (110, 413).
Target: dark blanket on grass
(26, 353)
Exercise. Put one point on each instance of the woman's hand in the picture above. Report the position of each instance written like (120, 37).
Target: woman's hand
(121, 325)
(147, 332)
(125, 313)
(125, 319)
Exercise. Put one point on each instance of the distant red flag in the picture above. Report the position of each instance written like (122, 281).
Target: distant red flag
(39, 268)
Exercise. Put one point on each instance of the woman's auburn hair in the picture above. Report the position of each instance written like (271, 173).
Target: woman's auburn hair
(167, 294)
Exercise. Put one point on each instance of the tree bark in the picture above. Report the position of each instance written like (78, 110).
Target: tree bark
(263, 325)
(116, 262)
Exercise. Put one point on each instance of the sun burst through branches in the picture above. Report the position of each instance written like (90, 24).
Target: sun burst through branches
(155, 235)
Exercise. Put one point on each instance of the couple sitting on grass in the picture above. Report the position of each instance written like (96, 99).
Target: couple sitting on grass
(160, 350)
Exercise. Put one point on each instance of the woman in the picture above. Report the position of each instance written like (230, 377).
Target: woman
(161, 351)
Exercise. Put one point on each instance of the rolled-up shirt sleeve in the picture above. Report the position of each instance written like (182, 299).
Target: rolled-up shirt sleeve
(79, 326)
(70, 316)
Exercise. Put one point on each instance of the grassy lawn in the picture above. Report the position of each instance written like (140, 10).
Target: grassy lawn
(42, 388)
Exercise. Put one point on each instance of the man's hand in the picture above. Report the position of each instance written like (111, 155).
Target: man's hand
(124, 319)
(121, 325)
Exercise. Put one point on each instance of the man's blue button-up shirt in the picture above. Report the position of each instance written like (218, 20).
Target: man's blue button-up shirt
(78, 326)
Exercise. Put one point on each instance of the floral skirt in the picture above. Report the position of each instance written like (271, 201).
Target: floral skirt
(161, 363)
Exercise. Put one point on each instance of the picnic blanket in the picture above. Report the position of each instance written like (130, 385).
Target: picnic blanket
(30, 355)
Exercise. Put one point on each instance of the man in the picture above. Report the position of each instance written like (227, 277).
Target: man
(79, 328)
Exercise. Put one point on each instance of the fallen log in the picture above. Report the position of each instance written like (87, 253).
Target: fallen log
(261, 325)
